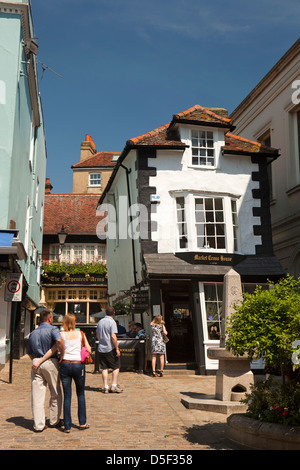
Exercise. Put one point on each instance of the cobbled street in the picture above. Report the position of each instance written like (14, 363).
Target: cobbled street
(148, 415)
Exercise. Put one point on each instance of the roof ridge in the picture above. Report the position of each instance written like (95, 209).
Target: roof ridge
(73, 194)
(96, 155)
(197, 106)
(135, 140)
(149, 134)
(244, 139)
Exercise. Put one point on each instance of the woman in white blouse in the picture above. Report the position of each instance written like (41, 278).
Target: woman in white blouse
(71, 367)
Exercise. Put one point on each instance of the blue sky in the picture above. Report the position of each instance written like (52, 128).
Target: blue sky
(129, 65)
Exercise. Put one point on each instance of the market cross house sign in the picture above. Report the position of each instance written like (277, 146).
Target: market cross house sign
(225, 259)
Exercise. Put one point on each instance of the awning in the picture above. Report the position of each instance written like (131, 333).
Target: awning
(11, 245)
(170, 266)
(167, 265)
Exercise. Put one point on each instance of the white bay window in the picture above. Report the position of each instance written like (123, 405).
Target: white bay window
(70, 253)
(207, 222)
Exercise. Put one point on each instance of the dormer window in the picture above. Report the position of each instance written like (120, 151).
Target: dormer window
(95, 179)
(203, 151)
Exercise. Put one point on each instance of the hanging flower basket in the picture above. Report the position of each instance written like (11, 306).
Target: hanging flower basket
(122, 308)
(75, 269)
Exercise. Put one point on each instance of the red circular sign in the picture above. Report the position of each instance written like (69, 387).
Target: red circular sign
(13, 286)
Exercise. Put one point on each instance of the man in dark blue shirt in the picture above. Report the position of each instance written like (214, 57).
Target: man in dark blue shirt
(43, 338)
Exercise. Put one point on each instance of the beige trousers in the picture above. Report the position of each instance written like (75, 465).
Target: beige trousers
(46, 375)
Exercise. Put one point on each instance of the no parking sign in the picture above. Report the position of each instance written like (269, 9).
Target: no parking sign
(13, 287)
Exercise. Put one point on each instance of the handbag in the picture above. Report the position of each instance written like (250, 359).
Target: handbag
(86, 358)
(164, 337)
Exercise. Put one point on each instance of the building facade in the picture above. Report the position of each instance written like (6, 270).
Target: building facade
(271, 115)
(74, 277)
(92, 172)
(185, 203)
(22, 176)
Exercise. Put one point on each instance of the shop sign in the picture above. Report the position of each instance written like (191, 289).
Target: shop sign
(225, 259)
(90, 279)
(13, 287)
(139, 299)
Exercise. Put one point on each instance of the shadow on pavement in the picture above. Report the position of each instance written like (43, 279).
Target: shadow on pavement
(212, 434)
(21, 421)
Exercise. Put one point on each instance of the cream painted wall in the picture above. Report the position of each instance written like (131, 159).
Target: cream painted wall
(272, 107)
(119, 249)
(81, 181)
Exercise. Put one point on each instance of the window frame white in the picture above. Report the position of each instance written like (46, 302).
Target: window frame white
(293, 146)
(204, 148)
(203, 301)
(56, 256)
(32, 145)
(190, 219)
(36, 200)
(219, 141)
(27, 226)
(99, 177)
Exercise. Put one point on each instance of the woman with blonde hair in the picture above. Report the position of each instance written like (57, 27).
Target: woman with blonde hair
(71, 367)
(158, 346)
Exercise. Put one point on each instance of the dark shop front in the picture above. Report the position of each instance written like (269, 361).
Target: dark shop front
(187, 289)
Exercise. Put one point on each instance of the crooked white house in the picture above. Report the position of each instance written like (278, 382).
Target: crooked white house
(185, 203)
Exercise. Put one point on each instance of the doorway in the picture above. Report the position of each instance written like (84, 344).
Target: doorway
(178, 319)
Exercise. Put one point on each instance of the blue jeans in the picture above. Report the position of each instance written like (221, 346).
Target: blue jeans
(76, 371)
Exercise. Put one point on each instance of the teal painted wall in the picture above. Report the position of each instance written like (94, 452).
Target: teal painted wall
(22, 150)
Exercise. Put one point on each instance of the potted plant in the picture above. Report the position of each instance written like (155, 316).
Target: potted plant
(267, 325)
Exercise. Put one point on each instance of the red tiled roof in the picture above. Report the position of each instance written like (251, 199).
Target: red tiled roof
(200, 114)
(166, 135)
(236, 144)
(157, 137)
(100, 159)
(77, 212)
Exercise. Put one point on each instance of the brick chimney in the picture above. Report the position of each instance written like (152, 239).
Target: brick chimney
(48, 186)
(87, 148)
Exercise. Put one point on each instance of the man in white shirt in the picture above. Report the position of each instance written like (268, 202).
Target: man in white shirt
(109, 352)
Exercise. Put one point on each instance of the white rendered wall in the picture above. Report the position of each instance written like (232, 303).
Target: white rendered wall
(231, 177)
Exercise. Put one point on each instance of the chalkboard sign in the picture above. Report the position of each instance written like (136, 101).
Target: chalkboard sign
(139, 299)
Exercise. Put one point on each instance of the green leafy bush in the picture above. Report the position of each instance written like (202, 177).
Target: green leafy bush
(122, 308)
(61, 269)
(266, 325)
(274, 402)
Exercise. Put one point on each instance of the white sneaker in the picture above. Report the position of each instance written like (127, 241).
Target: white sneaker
(116, 389)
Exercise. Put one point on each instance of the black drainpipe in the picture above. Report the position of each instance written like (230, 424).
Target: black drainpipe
(130, 216)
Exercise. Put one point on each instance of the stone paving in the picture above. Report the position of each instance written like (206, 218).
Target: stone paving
(148, 415)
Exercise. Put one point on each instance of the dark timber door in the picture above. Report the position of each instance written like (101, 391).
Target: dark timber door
(178, 318)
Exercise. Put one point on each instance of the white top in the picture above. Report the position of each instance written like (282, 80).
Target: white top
(72, 347)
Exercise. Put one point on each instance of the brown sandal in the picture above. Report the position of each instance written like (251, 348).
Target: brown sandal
(85, 426)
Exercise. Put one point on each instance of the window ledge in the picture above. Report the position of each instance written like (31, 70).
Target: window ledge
(203, 167)
(293, 190)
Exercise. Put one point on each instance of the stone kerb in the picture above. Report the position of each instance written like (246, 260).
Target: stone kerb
(260, 435)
